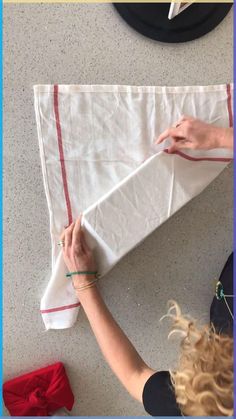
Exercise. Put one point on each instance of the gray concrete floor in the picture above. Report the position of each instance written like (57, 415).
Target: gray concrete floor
(72, 43)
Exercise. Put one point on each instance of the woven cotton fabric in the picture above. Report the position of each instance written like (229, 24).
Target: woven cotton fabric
(98, 158)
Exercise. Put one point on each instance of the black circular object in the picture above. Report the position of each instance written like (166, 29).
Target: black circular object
(152, 20)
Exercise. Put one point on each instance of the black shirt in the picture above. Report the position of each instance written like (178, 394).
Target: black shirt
(159, 397)
(158, 393)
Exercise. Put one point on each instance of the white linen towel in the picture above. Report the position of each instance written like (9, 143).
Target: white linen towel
(97, 154)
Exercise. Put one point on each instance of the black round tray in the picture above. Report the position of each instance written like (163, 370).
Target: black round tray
(152, 20)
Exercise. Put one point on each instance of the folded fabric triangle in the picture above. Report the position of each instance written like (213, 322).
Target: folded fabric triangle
(97, 154)
(143, 201)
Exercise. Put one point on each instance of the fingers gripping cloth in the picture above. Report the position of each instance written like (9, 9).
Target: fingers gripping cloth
(97, 154)
(39, 393)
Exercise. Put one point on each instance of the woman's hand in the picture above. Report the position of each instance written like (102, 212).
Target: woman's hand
(195, 134)
(77, 255)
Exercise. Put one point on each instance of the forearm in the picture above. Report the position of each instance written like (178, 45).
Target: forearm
(224, 137)
(118, 351)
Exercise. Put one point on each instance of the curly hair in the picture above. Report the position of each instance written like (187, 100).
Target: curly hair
(203, 380)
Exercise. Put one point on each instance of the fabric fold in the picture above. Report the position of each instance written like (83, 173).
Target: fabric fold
(143, 201)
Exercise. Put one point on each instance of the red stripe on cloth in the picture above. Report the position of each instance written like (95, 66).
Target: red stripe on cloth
(52, 310)
(61, 153)
(187, 157)
(229, 104)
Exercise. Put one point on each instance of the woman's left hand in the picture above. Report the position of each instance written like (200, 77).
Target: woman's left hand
(77, 254)
(119, 352)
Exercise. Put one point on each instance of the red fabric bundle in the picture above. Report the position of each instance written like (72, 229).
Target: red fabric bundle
(39, 393)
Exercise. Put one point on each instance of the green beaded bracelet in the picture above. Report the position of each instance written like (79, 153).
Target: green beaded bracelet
(69, 274)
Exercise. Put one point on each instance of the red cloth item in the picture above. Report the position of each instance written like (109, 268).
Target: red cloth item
(39, 393)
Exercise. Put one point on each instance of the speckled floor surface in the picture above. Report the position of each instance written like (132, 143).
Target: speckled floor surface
(90, 44)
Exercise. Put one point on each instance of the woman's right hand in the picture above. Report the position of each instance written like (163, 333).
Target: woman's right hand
(195, 134)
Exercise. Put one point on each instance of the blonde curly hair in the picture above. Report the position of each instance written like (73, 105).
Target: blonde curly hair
(203, 380)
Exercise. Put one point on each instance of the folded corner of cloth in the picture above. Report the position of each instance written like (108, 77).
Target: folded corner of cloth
(145, 199)
(38, 393)
(59, 305)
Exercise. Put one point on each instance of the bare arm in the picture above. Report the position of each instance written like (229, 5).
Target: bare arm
(118, 351)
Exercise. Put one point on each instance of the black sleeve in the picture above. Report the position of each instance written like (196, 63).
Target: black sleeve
(159, 397)
(220, 315)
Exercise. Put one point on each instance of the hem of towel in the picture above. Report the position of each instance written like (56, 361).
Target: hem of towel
(62, 317)
(43, 166)
(73, 88)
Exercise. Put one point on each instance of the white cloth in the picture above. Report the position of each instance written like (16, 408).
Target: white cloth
(97, 155)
